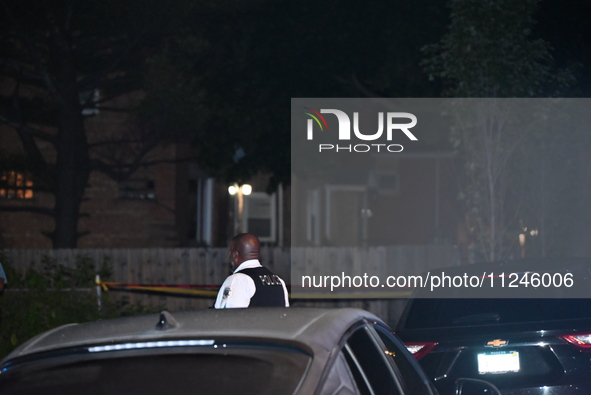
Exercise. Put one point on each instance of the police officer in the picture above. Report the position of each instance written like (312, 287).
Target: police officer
(251, 284)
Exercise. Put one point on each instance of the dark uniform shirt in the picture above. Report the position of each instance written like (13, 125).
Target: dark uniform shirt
(269, 288)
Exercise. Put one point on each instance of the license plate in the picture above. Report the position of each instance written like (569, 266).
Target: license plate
(498, 362)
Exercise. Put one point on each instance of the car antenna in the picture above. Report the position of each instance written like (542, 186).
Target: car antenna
(166, 321)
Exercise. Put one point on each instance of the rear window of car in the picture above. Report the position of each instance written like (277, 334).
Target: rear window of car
(434, 313)
(227, 369)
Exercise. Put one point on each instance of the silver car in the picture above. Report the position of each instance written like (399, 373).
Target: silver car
(245, 351)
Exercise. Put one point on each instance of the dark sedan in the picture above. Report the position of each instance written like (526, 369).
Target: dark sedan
(536, 345)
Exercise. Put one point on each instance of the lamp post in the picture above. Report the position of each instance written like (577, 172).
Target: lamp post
(239, 191)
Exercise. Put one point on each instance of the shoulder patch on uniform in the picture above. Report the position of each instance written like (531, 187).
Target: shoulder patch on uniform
(227, 293)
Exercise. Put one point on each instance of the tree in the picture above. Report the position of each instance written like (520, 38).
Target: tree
(553, 163)
(247, 60)
(57, 55)
(489, 52)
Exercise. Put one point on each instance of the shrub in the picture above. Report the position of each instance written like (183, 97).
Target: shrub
(56, 295)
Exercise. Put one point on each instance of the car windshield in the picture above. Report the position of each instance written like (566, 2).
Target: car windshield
(434, 313)
(223, 368)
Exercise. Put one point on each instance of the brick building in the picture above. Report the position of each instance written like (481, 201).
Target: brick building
(169, 203)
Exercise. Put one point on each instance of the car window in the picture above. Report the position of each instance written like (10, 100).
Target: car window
(415, 381)
(370, 368)
(253, 369)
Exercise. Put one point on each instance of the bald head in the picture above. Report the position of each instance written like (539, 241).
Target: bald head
(244, 246)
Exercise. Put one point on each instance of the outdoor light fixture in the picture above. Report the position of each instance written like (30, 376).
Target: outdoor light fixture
(239, 191)
(244, 189)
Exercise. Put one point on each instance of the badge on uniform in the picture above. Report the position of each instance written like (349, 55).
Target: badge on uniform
(227, 293)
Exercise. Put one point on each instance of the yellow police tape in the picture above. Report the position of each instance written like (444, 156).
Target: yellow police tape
(106, 286)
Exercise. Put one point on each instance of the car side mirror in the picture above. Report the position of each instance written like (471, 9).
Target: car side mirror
(465, 386)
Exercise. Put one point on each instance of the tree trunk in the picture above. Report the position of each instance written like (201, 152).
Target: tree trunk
(71, 179)
(72, 161)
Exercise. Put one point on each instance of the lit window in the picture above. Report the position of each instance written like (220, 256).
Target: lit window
(14, 185)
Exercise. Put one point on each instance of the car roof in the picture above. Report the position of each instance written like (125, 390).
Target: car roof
(578, 268)
(319, 329)
(517, 265)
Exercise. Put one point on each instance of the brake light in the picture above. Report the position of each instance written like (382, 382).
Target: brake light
(580, 340)
(420, 349)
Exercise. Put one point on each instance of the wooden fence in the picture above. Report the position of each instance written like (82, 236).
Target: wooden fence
(201, 266)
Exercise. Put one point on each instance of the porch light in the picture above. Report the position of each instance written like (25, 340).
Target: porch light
(244, 189)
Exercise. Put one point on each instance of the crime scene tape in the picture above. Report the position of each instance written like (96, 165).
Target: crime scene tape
(211, 291)
(180, 289)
